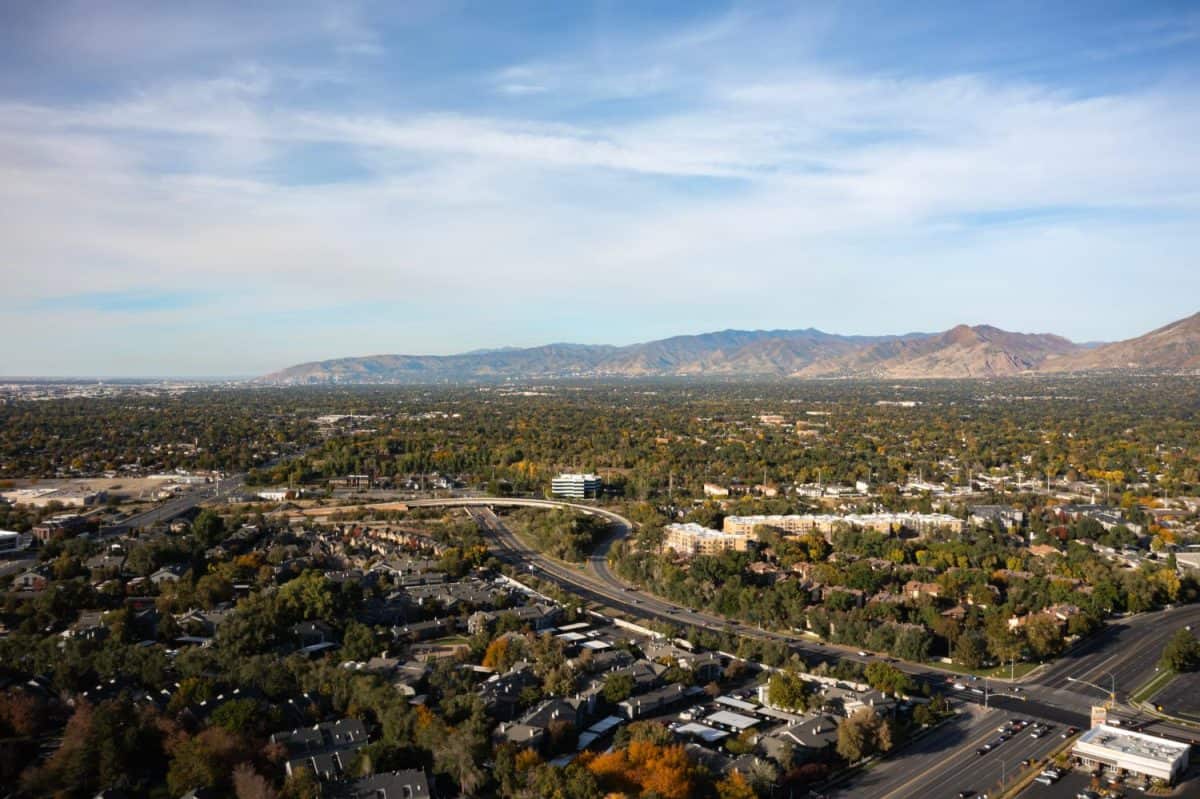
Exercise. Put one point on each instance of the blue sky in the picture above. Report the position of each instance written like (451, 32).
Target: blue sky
(221, 189)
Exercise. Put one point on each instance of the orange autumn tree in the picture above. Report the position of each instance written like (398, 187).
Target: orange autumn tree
(647, 769)
(734, 786)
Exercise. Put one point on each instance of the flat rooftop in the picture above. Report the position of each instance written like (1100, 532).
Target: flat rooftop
(730, 719)
(1135, 744)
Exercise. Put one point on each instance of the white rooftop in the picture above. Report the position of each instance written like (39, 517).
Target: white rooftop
(702, 731)
(1137, 744)
(733, 702)
(700, 530)
(731, 719)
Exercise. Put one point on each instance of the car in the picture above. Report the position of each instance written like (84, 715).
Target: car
(987, 747)
(1036, 733)
(1069, 731)
(981, 752)
(1044, 780)
(965, 794)
(862, 654)
(1026, 763)
(959, 686)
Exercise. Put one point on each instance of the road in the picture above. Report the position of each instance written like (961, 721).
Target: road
(176, 506)
(946, 762)
(941, 765)
(596, 582)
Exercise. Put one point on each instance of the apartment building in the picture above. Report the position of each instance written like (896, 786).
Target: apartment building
(694, 539)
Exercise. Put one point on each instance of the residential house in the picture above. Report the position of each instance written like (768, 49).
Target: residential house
(326, 749)
(426, 630)
(636, 707)
(167, 574)
(30, 581)
(812, 739)
(408, 784)
(311, 633)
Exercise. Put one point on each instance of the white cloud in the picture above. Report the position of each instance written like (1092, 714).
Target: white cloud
(761, 193)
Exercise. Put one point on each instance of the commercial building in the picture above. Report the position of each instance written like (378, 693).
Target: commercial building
(826, 523)
(694, 539)
(70, 496)
(9, 541)
(1131, 752)
(67, 525)
(576, 486)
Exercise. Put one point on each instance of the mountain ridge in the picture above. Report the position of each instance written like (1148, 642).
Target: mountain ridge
(963, 351)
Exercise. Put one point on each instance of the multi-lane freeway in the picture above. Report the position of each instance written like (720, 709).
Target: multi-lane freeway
(943, 764)
(1124, 655)
(177, 505)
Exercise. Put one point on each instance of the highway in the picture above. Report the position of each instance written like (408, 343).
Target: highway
(176, 506)
(594, 581)
(946, 762)
(940, 765)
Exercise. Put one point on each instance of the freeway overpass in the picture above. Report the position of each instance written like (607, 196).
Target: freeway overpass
(594, 581)
(937, 766)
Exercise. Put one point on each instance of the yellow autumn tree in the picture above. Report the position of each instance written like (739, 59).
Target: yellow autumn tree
(734, 786)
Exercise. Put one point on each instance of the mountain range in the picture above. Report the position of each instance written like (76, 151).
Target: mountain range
(979, 351)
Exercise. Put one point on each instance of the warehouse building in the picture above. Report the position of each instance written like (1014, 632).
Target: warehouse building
(1131, 752)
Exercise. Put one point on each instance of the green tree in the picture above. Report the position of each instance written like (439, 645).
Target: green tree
(208, 528)
(1182, 652)
(788, 690)
(359, 642)
(617, 688)
(970, 650)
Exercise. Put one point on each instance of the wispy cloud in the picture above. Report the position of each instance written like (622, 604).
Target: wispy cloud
(692, 172)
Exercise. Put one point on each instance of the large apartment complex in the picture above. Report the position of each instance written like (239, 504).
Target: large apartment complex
(695, 539)
(826, 523)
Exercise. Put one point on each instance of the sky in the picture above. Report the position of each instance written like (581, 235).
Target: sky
(202, 188)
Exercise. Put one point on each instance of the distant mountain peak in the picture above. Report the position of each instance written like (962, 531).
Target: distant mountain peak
(978, 351)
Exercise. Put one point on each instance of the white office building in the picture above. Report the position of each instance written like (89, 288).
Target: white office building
(576, 486)
(10, 541)
(1132, 752)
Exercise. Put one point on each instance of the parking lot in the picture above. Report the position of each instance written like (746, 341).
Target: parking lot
(1181, 697)
(1071, 784)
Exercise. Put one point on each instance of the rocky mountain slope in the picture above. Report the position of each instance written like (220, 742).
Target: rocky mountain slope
(1175, 347)
(962, 352)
